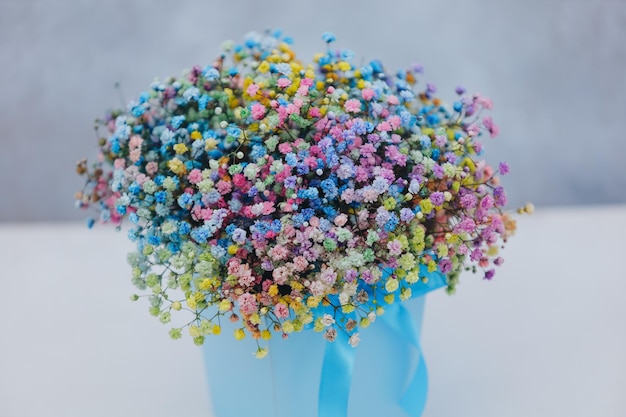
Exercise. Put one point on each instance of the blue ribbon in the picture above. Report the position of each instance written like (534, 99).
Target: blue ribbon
(338, 362)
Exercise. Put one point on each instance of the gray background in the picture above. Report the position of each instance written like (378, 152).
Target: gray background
(555, 70)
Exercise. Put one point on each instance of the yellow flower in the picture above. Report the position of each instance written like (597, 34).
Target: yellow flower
(232, 249)
(413, 276)
(364, 323)
(426, 205)
(389, 203)
(432, 266)
(176, 305)
(405, 294)
(261, 353)
(313, 302)
(318, 326)
(389, 298)
(391, 285)
(225, 305)
(348, 308)
(263, 67)
(180, 148)
(205, 284)
(177, 166)
(194, 331)
(288, 327)
(239, 334)
(273, 290)
(266, 334)
(195, 135)
(442, 250)
(209, 145)
(255, 318)
(216, 330)
(344, 66)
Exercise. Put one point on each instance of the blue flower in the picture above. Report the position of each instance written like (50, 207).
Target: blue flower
(184, 201)
(291, 159)
(184, 227)
(177, 121)
(200, 234)
(138, 111)
(283, 68)
(210, 73)
(203, 100)
(328, 37)
(160, 196)
(192, 93)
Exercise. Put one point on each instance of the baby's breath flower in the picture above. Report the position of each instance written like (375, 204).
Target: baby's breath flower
(284, 196)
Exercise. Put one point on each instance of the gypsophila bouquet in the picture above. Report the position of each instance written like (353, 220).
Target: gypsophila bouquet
(283, 195)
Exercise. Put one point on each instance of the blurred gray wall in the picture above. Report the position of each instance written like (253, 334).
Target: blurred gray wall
(556, 71)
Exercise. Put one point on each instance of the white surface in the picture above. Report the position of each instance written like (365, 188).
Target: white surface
(545, 338)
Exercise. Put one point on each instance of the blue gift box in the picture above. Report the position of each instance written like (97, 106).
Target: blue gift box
(306, 376)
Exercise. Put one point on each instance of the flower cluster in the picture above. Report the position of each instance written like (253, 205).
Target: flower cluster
(284, 196)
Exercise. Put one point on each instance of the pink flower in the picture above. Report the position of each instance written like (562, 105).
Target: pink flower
(367, 94)
(341, 220)
(258, 111)
(348, 195)
(195, 176)
(224, 187)
(393, 100)
(300, 263)
(278, 253)
(283, 82)
(135, 142)
(152, 168)
(394, 122)
(252, 89)
(119, 163)
(247, 304)
(485, 102)
(314, 112)
(395, 247)
(134, 155)
(383, 127)
(239, 180)
(493, 128)
(285, 148)
(280, 275)
(281, 310)
(352, 106)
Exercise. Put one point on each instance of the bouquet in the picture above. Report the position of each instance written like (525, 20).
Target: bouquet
(284, 196)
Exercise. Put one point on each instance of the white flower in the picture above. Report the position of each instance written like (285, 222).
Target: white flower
(354, 340)
(371, 317)
(327, 320)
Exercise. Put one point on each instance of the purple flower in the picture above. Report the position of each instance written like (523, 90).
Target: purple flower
(406, 215)
(468, 201)
(437, 198)
(500, 196)
(490, 273)
(445, 265)
(503, 168)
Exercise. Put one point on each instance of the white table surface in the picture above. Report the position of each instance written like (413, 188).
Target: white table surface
(546, 338)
